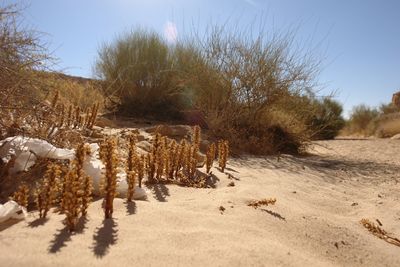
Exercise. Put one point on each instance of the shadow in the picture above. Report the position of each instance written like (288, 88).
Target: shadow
(8, 223)
(230, 176)
(275, 214)
(105, 236)
(60, 240)
(211, 180)
(38, 222)
(64, 235)
(81, 225)
(160, 191)
(131, 207)
(230, 169)
(334, 169)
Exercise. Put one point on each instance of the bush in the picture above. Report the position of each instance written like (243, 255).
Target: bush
(77, 91)
(140, 74)
(363, 120)
(388, 109)
(258, 85)
(327, 119)
(22, 57)
(388, 126)
(366, 121)
(254, 92)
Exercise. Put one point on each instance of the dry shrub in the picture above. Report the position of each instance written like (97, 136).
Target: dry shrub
(326, 118)
(363, 121)
(22, 56)
(367, 121)
(77, 91)
(238, 81)
(60, 124)
(388, 125)
(246, 81)
(379, 232)
(25, 83)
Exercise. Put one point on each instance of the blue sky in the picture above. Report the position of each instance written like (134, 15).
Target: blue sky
(358, 40)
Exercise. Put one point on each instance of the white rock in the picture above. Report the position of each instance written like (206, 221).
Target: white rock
(395, 137)
(26, 149)
(139, 193)
(22, 148)
(11, 210)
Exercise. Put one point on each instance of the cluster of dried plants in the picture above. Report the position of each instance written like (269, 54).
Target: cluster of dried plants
(169, 161)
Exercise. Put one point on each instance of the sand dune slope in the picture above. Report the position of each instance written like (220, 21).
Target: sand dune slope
(315, 221)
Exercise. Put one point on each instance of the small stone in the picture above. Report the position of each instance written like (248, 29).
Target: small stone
(221, 209)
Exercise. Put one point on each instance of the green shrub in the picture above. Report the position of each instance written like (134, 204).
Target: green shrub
(327, 120)
(254, 92)
(140, 71)
(363, 120)
(388, 109)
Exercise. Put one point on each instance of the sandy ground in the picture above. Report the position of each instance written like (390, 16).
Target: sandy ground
(320, 200)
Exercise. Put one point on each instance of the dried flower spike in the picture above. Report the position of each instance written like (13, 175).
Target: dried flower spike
(109, 183)
(47, 191)
(21, 195)
(263, 202)
(210, 156)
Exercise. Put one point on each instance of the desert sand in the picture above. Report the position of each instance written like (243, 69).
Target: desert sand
(321, 199)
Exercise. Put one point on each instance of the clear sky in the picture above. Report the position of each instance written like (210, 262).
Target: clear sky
(359, 40)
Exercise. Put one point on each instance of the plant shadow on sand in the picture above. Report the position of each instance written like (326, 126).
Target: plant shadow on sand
(160, 191)
(38, 222)
(64, 235)
(275, 214)
(230, 169)
(8, 223)
(131, 207)
(211, 179)
(334, 170)
(105, 237)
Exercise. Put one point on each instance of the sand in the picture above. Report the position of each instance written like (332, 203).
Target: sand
(315, 222)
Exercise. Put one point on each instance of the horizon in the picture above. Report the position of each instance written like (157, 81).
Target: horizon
(357, 41)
